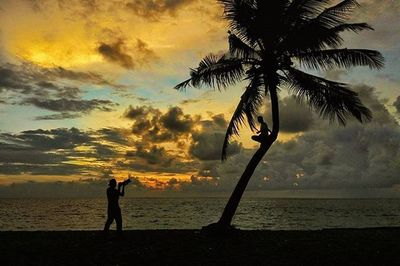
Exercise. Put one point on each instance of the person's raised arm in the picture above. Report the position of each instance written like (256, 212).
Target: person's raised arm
(122, 193)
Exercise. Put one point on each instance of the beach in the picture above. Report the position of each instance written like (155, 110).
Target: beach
(371, 246)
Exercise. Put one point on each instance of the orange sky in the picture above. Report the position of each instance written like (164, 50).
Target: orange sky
(86, 64)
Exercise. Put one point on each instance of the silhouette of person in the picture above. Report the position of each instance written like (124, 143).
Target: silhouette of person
(264, 131)
(113, 210)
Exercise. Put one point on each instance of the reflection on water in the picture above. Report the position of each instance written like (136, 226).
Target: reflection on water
(177, 213)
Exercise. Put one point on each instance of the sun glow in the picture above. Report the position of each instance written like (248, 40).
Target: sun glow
(57, 56)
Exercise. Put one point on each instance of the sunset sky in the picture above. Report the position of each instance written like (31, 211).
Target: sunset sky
(87, 94)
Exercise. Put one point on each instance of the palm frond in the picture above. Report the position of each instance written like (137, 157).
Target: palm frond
(239, 49)
(254, 100)
(304, 9)
(337, 14)
(330, 99)
(241, 14)
(354, 27)
(322, 31)
(313, 37)
(310, 37)
(216, 72)
(342, 58)
(248, 106)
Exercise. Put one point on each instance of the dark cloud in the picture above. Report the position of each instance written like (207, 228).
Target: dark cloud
(57, 151)
(358, 156)
(139, 112)
(85, 77)
(60, 116)
(44, 88)
(114, 135)
(52, 152)
(143, 53)
(29, 78)
(68, 92)
(219, 121)
(324, 156)
(175, 121)
(206, 144)
(13, 80)
(295, 116)
(34, 157)
(153, 126)
(59, 169)
(118, 52)
(152, 156)
(153, 9)
(40, 139)
(369, 97)
(69, 105)
(46, 85)
(396, 104)
(189, 101)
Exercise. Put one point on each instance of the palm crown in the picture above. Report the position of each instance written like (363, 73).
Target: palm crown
(269, 41)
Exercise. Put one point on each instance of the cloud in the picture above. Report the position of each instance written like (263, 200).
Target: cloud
(154, 126)
(294, 116)
(143, 52)
(69, 105)
(207, 146)
(323, 156)
(152, 156)
(201, 138)
(207, 143)
(396, 104)
(53, 152)
(60, 116)
(175, 121)
(379, 14)
(117, 52)
(63, 151)
(154, 9)
(138, 112)
(40, 139)
(114, 135)
(358, 156)
(28, 77)
(53, 89)
(189, 101)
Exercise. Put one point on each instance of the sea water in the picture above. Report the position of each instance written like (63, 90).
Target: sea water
(193, 213)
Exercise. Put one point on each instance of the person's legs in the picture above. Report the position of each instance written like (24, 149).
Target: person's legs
(110, 219)
(118, 220)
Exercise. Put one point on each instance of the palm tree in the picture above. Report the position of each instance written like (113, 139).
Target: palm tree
(271, 44)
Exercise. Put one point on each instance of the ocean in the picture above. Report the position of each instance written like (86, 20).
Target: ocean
(193, 213)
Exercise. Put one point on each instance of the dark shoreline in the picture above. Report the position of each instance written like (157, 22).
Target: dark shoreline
(370, 246)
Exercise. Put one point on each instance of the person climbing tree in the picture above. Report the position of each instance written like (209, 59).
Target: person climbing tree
(263, 132)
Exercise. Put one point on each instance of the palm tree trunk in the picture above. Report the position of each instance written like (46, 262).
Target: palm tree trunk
(231, 207)
(233, 203)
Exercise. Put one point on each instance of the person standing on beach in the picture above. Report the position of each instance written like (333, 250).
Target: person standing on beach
(113, 210)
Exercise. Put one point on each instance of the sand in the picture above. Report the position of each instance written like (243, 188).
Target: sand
(374, 246)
